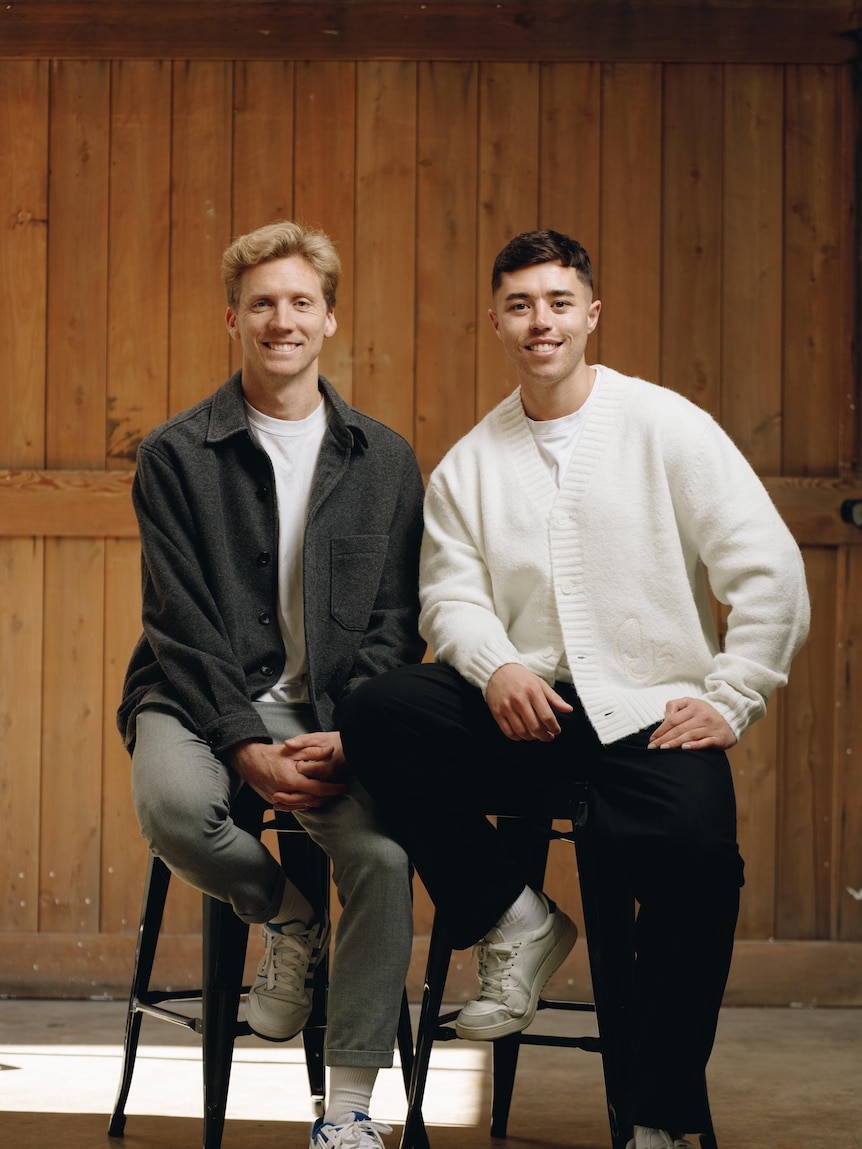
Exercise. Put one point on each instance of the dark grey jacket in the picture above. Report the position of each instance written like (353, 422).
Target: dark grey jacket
(204, 495)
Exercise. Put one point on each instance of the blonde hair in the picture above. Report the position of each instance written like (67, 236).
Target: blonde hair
(280, 241)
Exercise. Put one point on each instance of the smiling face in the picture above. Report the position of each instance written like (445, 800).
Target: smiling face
(543, 315)
(281, 321)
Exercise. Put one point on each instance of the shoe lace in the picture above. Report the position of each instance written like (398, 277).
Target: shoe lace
(362, 1134)
(495, 960)
(286, 960)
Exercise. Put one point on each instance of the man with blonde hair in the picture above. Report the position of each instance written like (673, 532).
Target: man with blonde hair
(280, 533)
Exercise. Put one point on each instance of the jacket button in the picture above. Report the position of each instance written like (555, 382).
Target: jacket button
(262, 493)
(263, 559)
(267, 670)
(264, 619)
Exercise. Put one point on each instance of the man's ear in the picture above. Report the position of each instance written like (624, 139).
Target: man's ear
(230, 322)
(593, 314)
(495, 321)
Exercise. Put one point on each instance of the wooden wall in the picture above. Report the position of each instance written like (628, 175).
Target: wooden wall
(707, 160)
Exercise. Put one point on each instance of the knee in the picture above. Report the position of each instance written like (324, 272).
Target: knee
(371, 859)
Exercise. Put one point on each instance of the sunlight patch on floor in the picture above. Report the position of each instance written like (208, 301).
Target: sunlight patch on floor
(267, 1084)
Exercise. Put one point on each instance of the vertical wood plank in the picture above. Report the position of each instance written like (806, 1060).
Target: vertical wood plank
(21, 563)
(446, 305)
(385, 243)
(123, 850)
(263, 144)
(199, 359)
(262, 150)
(805, 799)
(570, 152)
(754, 762)
(324, 189)
(23, 287)
(850, 177)
(691, 232)
(72, 736)
(508, 201)
(751, 323)
(77, 264)
(630, 272)
(138, 256)
(813, 324)
(847, 812)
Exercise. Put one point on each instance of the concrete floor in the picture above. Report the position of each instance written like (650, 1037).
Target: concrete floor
(779, 1079)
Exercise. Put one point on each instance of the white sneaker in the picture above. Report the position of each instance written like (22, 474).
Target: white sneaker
(279, 1001)
(360, 1133)
(512, 974)
(656, 1139)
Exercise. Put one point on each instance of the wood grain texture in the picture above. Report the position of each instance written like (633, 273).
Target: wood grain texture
(448, 296)
(138, 256)
(24, 120)
(79, 152)
(752, 224)
(630, 274)
(384, 245)
(21, 635)
(821, 31)
(718, 203)
(199, 359)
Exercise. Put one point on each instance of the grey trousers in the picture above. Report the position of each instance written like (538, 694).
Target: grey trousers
(182, 794)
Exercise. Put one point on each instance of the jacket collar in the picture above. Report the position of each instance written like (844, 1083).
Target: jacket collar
(228, 417)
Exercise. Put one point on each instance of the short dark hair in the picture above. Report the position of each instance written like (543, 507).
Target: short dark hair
(531, 247)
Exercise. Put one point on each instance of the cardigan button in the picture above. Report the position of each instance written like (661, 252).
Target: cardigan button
(264, 619)
(262, 493)
(264, 558)
(266, 670)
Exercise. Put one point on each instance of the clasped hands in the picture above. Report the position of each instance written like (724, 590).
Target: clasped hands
(302, 773)
(525, 708)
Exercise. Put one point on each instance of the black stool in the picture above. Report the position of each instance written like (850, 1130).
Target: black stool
(609, 922)
(225, 939)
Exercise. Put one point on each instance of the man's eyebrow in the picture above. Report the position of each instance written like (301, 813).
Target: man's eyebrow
(556, 292)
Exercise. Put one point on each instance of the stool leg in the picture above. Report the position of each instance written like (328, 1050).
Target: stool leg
(314, 1040)
(152, 909)
(505, 1065)
(405, 1052)
(439, 954)
(225, 938)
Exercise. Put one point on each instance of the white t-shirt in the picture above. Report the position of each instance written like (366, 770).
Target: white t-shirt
(557, 439)
(293, 447)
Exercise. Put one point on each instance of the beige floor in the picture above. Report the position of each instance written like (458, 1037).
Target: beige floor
(779, 1079)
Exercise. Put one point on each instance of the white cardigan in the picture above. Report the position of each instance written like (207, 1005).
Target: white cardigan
(610, 567)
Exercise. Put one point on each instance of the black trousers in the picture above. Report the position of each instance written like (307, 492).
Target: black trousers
(426, 746)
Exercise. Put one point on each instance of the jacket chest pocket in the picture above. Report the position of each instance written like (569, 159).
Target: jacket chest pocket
(357, 566)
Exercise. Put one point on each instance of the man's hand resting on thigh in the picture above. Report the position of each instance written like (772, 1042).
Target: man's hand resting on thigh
(523, 705)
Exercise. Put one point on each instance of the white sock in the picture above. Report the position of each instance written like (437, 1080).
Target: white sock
(350, 1089)
(294, 907)
(527, 912)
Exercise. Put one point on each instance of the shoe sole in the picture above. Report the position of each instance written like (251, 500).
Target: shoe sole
(553, 960)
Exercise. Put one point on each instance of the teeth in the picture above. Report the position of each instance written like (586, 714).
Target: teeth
(282, 346)
(543, 346)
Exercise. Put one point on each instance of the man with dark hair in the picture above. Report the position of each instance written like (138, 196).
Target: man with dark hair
(280, 533)
(564, 594)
